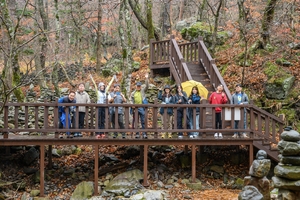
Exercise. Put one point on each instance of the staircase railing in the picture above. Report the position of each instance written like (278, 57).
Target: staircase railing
(159, 51)
(177, 63)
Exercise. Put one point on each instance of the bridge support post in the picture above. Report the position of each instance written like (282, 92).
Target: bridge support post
(50, 164)
(145, 183)
(250, 154)
(193, 163)
(96, 169)
(42, 170)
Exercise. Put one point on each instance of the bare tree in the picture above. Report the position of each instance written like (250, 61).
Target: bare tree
(99, 37)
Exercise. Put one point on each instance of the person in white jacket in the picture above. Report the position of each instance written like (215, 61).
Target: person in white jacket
(81, 97)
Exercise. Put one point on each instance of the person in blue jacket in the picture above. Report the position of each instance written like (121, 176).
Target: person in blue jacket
(62, 112)
(194, 98)
(167, 98)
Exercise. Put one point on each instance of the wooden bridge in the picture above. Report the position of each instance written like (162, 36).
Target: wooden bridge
(185, 62)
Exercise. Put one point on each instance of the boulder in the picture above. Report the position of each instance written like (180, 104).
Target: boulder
(83, 190)
(292, 136)
(127, 181)
(250, 193)
(283, 183)
(262, 184)
(293, 160)
(154, 195)
(31, 155)
(260, 168)
(288, 172)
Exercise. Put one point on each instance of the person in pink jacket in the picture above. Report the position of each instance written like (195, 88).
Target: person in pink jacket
(218, 97)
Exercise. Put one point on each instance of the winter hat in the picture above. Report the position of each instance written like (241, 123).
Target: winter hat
(101, 84)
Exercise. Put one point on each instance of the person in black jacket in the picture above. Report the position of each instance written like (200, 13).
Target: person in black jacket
(181, 98)
(167, 98)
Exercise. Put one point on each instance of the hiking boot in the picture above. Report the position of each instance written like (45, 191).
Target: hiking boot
(137, 135)
(235, 135)
(123, 135)
(79, 135)
(169, 135)
(76, 134)
(191, 136)
(115, 135)
(163, 135)
(70, 136)
(61, 136)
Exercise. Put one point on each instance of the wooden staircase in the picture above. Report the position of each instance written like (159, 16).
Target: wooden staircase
(192, 61)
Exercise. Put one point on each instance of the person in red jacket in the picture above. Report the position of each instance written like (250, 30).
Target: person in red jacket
(218, 97)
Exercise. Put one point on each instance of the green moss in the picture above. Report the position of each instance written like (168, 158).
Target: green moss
(280, 61)
(273, 72)
(290, 115)
(28, 51)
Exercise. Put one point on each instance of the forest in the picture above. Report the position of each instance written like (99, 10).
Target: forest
(55, 44)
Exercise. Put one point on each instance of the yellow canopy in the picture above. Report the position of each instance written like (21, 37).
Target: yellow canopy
(188, 85)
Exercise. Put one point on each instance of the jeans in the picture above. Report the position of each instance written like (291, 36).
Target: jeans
(197, 124)
(101, 118)
(236, 122)
(120, 121)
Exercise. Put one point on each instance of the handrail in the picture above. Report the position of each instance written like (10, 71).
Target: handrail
(210, 67)
(178, 66)
(259, 124)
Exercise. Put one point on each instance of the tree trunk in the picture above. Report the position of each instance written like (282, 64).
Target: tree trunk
(99, 38)
(201, 9)
(41, 59)
(267, 20)
(56, 50)
(149, 20)
(216, 25)
(181, 9)
(144, 23)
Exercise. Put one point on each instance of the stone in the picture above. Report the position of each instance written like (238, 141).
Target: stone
(28, 170)
(288, 195)
(293, 160)
(83, 190)
(260, 168)
(288, 172)
(126, 181)
(291, 149)
(154, 195)
(31, 155)
(217, 168)
(250, 193)
(194, 186)
(283, 183)
(262, 184)
(261, 154)
(34, 193)
(292, 136)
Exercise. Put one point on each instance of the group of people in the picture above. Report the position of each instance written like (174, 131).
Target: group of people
(138, 96)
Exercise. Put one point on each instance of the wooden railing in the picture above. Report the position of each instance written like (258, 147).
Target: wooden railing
(178, 65)
(260, 124)
(159, 51)
(189, 51)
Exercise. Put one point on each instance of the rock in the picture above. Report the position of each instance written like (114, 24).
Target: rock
(294, 45)
(29, 170)
(250, 193)
(260, 168)
(83, 190)
(292, 136)
(262, 184)
(217, 168)
(282, 183)
(160, 184)
(279, 82)
(145, 47)
(154, 195)
(261, 154)
(34, 193)
(31, 155)
(288, 195)
(293, 160)
(55, 153)
(288, 172)
(126, 181)
(137, 197)
(291, 149)
(194, 186)
(131, 151)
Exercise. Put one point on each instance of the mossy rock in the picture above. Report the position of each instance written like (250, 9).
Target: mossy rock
(279, 81)
(204, 30)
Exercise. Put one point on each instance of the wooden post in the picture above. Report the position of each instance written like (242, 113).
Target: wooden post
(42, 170)
(50, 164)
(96, 170)
(250, 154)
(193, 163)
(145, 183)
